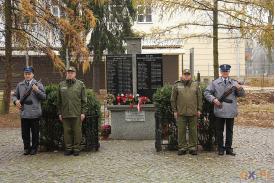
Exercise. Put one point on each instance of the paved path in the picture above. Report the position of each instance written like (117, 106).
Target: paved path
(137, 161)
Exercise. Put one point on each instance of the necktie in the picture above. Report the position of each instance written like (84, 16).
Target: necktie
(225, 81)
(27, 83)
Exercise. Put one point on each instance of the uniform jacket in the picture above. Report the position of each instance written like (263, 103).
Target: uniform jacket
(186, 99)
(216, 89)
(72, 99)
(32, 106)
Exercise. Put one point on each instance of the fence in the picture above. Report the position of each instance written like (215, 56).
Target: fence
(255, 74)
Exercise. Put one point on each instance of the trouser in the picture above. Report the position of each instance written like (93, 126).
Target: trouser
(191, 122)
(72, 133)
(229, 122)
(30, 127)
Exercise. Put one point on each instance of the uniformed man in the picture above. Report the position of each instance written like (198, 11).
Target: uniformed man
(27, 97)
(225, 110)
(186, 101)
(72, 101)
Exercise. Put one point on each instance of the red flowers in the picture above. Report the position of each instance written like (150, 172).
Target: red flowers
(131, 100)
(105, 131)
(124, 99)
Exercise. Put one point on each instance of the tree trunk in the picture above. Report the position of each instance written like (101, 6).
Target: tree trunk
(8, 59)
(270, 61)
(215, 40)
(270, 48)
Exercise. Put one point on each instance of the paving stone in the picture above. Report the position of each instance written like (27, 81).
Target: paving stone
(137, 161)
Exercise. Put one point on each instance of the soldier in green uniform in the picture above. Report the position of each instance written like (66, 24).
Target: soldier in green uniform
(186, 101)
(72, 101)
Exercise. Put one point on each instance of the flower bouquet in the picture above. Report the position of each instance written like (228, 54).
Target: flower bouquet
(128, 99)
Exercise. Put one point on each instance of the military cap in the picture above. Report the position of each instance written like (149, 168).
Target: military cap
(28, 69)
(185, 71)
(225, 67)
(71, 69)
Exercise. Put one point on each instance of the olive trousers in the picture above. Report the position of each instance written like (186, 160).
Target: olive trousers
(72, 133)
(190, 122)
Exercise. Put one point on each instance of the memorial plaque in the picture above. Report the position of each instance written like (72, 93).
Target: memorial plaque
(134, 116)
(119, 74)
(149, 74)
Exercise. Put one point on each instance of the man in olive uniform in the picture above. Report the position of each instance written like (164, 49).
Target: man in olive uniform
(72, 101)
(186, 101)
(27, 97)
(224, 111)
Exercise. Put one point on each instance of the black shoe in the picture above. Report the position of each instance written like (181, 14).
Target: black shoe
(193, 152)
(68, 153)
(221, 152)
(26, 151)
(76, 153)
(33, 152)
(230, 152)
(181, 152)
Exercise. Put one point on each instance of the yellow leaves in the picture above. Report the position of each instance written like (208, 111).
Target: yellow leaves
(69, 12)
(39, 28)
(85, 60)
(27, 8)
(57, 62)
(74, 38)
(100, 2)
(90, 17)
(135, 3)
(72, 27)
(85, 66)
(84, 50)
(267, 36)
(74, 2)
(66, 26)
(20, 39)
(266, 4)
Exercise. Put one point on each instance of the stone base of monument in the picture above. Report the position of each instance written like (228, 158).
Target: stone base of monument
(129, 124)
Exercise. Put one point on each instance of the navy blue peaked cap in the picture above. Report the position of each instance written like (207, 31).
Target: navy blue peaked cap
(225, 67)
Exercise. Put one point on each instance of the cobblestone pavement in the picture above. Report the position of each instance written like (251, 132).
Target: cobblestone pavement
(137, 161)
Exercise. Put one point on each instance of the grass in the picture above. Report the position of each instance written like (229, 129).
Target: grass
(257, 108)
(260, 82)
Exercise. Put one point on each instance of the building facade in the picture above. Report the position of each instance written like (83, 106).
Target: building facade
(165, 33)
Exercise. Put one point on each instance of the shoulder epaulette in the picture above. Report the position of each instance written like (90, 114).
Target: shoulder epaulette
(21, 82)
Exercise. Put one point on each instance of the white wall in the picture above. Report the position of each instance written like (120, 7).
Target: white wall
(231, 51)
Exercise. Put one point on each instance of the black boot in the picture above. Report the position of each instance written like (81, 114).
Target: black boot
(33, 152)
(68, 153)
(221, 151)
(230, 152)
(26, 151)
(193, 152)
(181, 152)
(76, 153)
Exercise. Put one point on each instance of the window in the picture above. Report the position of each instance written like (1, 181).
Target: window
(144, 14)
(55, 11)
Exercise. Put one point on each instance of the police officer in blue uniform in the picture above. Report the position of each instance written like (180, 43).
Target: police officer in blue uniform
(27, 97)
(225, 111)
